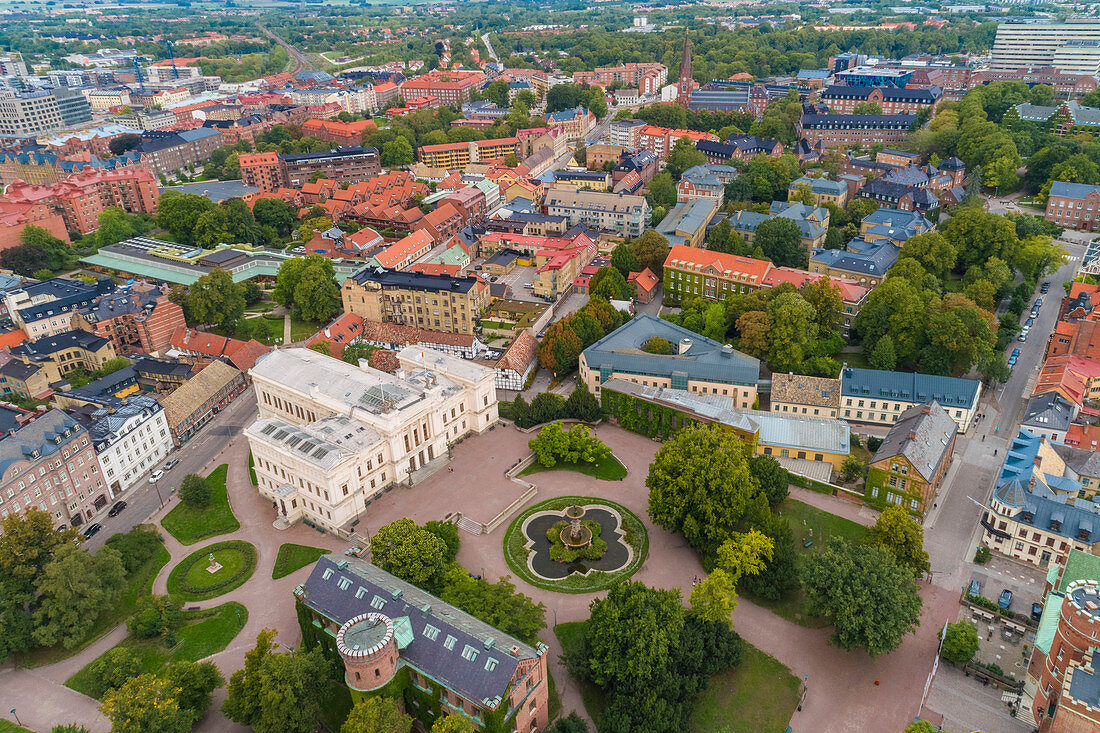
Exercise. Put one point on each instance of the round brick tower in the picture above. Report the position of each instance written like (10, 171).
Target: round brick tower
(369, 650)
(1078, 631)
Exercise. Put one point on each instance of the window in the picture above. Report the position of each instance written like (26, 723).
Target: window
(431, 633)
(490, 664)
(449, 642)
(469, 653)
(344, 584)
(378, 603)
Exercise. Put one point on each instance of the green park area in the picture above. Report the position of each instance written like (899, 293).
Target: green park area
(811, 528)
(608, 469)
(292, 557)
(191, 523)
(192, 579)
(201, 634)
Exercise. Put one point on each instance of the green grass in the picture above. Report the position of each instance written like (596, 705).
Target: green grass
(6, 726)
(191, 581)
(634, 533)
(570, 635)
(808, 522)
(190, 525)
(204, 633)
(252, 469)
(138, 584)
(299, 330)
(291, 557)
(758, 696)
(609, 470)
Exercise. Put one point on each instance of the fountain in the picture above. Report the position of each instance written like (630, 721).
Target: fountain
(575, 535)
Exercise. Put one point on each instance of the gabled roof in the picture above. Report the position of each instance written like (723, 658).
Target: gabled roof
(1049, 411)
(924, 435)
(949, 392)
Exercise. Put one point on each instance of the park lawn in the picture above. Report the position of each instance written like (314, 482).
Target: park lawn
(198, 639)
(292, 557)
(190, 525)
(138, 584)
(231, 561)
(6, 726)
(808, 522)
(609, 470)
(299, 330)
(758, 696)
(570, 635)
(252, 469)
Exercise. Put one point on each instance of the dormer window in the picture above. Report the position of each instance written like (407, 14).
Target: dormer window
(1055, 525)
(1029, 517)
(1083, 534)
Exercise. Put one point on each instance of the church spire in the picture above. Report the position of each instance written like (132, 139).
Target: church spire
(684, 88)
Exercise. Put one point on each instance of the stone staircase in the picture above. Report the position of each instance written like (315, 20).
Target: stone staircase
(468, 525)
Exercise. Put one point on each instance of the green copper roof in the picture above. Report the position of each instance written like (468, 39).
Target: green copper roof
(1048, 625)
(1079, 566)
(402, 631)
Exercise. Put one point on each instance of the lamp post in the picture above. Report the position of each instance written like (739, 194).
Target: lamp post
(156, 486)
(17, 720)
(238, 612)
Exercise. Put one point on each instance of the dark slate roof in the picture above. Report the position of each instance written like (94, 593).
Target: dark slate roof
(1049, 411)
(752, 143)
(924, 435)
(950, 392)
(17, 369)
(149, 365)
(952, 164)
(104, 431)
(867, 122)
(340, 152)
(705, 360)
(9, 418)
(102, 391)
(920, 94)
(712, 147)
(875, 260)
(884, 190)
(45, 347)
(371, 589)
(66, 295)
(414, 280)
(44, 434)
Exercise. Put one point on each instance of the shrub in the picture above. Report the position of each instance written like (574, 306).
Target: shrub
(657, 345)
(982, 555)
(873, 443)
(561, 553)
(116, 667)
(194, 491)
(135, 546)
(155, 616)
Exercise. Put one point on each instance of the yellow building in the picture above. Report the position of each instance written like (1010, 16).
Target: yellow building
(60, 354)
(434, 302)
(796, 394)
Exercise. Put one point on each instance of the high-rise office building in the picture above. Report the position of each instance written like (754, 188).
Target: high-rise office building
(1071, 47)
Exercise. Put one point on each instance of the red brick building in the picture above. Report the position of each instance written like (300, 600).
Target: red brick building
(341, 133)
(452, 88)
(261, 170)
(1074, 206)
(843, 99)
(81, 197)
(135, 322)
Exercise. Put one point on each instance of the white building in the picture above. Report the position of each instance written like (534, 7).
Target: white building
(130, 440)
(1072, 47)
(332, 436)
(357, 101)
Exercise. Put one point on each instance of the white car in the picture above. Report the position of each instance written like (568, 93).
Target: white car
(156, 476)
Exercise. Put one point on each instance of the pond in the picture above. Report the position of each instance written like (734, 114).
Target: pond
(618, 554)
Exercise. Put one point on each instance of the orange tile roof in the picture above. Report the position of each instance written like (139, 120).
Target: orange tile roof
(750, 270)
(646, 279)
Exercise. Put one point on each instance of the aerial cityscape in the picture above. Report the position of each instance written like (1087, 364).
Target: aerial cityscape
(475, 366)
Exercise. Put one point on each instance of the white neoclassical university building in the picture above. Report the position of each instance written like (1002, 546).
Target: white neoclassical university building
(332, 436)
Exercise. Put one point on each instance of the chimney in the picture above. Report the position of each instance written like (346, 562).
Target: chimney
(685, 344)
(927, 409)
(727, 350)
(912, 436)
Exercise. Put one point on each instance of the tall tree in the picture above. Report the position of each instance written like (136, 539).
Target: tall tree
(410, 552)
(179, 213)
(871, 600)
(781, 241)
(699, 484)
(146, 703)
(215, 298)
(497, 604)
(651, 250)
(897, 532)
(714, 598)
(960, 642)
(454, 723)
(684, 155)
(74, 590)
(623, 261)
(276, 214)
(377, 715)
(301, 284)
(793, 333)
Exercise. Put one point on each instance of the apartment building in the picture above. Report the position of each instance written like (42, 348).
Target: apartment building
(60, 354)
(843, 99)
(81, 197)
(451, 88)
(843, 130)
(686, 222)
(880, 397)
(557, 269)
(1071, 47)
(434, 302)
(168, 152)
(912, 461)
(134, 322)
(49, 464)
(1074, 206)
(739, 147)
(129, 440)
(627, 132)
(105, 100)
(574, 123)
(459, 155)
(660, 140)
(29, 114)
(647, 78)
(341, 133)
(1065, 84)
(705, 182)
(440, 655)
(623, 214)
(812, 222)
(261, 170)
(46, 308)
(332, 436)
(345, 164)
(822, 189)
(195, 403)
(697, 363)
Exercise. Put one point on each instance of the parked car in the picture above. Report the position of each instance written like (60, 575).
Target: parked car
(975, 588)
(156, 476)
(116, 509)
(1036, 611)
(1005, 600)
(1012, 360)
(1045, 287)
(1029, 323)
(172, 463)
(1038, 302)
(91, 529)
(1016, 352)
(529, 286)
(1022, 336)
(1035, 311)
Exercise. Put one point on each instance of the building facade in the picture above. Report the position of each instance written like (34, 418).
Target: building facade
(880, 397)
(434, 302)
(1074, 206)
(358, 430)
(130, 439)
(913, 459)
(624, 214)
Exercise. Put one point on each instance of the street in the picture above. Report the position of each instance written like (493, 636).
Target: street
(143, 500)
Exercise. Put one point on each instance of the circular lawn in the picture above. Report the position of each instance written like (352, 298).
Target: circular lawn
(192, 580)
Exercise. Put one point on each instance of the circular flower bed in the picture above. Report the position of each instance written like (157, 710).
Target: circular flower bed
(192, 580)
(620, 536)
(561, 553)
